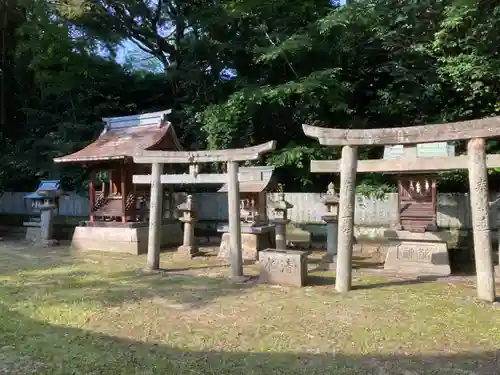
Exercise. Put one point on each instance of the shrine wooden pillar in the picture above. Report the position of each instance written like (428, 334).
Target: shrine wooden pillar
(92, 194)
(123, 188)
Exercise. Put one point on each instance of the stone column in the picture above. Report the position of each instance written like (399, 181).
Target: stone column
(233, 199)
(348, 168)
(280, 232)
(331, 237)
(47, 224)
(478, 185)
(189, 247)
(155, 217)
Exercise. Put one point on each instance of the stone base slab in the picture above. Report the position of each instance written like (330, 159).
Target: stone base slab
(418, 257)
(251, 244)
(125, 239)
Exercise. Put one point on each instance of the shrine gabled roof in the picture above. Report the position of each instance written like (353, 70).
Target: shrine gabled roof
(123, 136)
(255, 179)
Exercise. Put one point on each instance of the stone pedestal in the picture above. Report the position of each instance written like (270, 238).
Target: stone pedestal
(331, 237)
(280, 232)
(127, 238)
(253, 240)
(417, 253)
(47, 214)
(283, 267)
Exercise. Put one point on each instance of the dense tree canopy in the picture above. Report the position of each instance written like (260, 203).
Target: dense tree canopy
(239, 72)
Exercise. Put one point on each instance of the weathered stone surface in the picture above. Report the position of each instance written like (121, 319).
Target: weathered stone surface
(418, 257)
(283, 267)
(251, 244)
(123, 239)
(478, 185)
(280, 232)
(345, 242)
(331, 236)
(296, 236)
(187, 252)
(453, 131)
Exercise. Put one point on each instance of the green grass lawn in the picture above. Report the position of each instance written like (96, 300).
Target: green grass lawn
(70, 313)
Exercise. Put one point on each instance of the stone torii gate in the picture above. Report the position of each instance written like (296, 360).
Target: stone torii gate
(476, 161)
(230, 156)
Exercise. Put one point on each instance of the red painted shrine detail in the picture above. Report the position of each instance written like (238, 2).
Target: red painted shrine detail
(109, 160)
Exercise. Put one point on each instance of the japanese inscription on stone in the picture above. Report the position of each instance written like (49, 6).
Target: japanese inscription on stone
(415, 253)
(283, 267)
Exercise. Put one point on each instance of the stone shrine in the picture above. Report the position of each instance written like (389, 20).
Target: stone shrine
(257, 233)
(45, 201)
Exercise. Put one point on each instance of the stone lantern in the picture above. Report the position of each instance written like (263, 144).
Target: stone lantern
(44, 200)
(189, 247)
(280, 219)
(331, 217)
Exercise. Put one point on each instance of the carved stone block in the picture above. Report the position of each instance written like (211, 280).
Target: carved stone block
(418, 257)
(283, 267)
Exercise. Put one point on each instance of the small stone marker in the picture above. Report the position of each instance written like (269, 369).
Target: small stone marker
(283, 267)
(420, 257)
(47, 212)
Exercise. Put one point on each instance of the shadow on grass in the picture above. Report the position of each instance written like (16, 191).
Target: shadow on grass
(22, 255)
(358, 262)
(123, 287)
(32, 347)
(319, 280)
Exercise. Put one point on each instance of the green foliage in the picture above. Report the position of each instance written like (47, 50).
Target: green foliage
(370, 64)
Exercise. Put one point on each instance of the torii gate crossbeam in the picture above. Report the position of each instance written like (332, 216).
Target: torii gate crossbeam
(476, 161)
(230, 156)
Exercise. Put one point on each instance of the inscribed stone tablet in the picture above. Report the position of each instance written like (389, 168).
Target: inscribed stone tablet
(418, 257)
(283, 267)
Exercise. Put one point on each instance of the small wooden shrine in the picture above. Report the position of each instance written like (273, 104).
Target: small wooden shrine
(114, 200)
(417, 192)
(256, 231)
